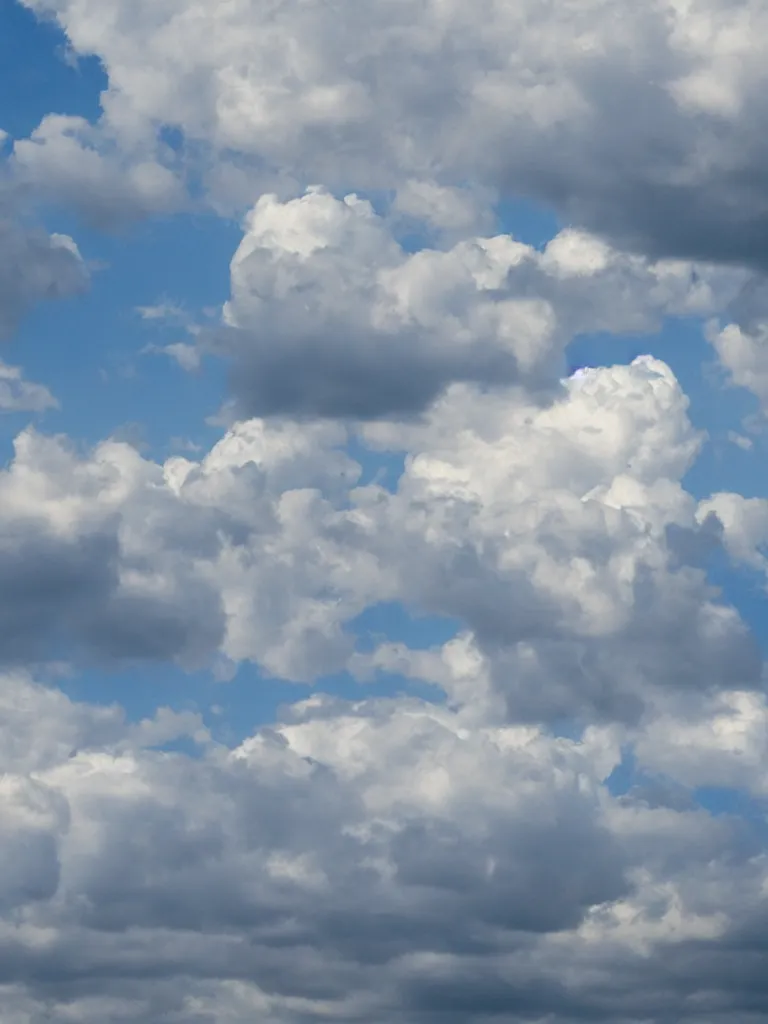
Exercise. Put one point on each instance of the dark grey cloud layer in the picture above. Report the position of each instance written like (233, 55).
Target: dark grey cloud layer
(324, 867)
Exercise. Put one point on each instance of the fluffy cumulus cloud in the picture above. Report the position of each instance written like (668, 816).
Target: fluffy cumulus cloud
(562, 539)
(546, 803)
(740, 338)
(559, 537)
(116, 557)
(387, 858)
(355, 861)
(521, 98)
(329, 316)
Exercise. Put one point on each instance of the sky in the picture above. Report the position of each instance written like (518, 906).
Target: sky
(383, 515)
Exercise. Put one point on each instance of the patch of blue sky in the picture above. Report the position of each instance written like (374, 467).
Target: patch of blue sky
(94, 352)
(747, 813)
(140, 689)
(383, 468)
(745, 589)
(90, 351)
(39, 76)
(624, 775)
(722, 801)
(530, 223)
(390, 621)
(233, 709)
(252, 699)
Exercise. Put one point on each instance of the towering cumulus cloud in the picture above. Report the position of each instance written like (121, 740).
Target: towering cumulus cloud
(393, 651)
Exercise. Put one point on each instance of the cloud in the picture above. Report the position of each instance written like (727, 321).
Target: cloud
(368, 860)
(329, 316)
(562, 540)
(451, 213)
(110, 556)
(70, 162)
(558, 537)
(68, 579)
(745, 526)
(744, 355)
(533, 845)
(724, 745)
(34, 266)
(638, 121)
(19, 395)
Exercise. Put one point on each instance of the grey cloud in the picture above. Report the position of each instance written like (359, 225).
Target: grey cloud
(374, 860)
(106, 556)
(334, 377)
(639, 121)
(283, 856)
(66, 160)
(63, 592)
(64, 599)
(561, 539)
(658, 181)
(33, 815)
(330, 317)
(34, 266)
(558, 536)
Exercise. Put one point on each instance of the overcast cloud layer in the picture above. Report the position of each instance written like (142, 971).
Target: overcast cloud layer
(547, 803)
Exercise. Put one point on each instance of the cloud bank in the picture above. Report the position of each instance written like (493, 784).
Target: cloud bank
(556, 814)
(522, 99)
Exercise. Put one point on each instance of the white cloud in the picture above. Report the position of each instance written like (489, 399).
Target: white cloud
(67, 160)
(640, 120)
(725, 744)
(558, 536)
(561, 538)
(745, 526)
(329, 316)
(392, 859)
(451, 213)
(740, 338)
(109, 555)
(19, 395)
(744, 354)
